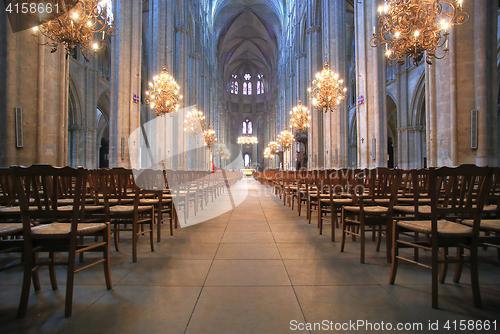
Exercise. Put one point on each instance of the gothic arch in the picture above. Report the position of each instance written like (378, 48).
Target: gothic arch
(418, 103)
(75, 121)
(418, 141)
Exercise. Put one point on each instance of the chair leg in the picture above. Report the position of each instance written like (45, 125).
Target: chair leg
(151, 230)
(379, 236)
(444, 264)
(135, 236)
(459, 266)
(332, 219)
(342, 240)
(474, 277)
(435, 275)
(159, 221)
(116, 235)
(70, 280)
(107, 270)
(395, 253)
(25, 292)
(52, 271)
(362, 241)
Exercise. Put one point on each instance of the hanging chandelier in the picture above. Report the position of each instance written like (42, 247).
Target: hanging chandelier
(194, 121)
(164, 94)
(301, 118)
(210, 138)
(411, 27)
(223, 151)
(77, 25)
(286, 139)
(274, 146)
(247, 140)
(327, 91)
(268, 153)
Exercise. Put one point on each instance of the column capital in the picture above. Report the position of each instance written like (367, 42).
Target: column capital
(301, 55)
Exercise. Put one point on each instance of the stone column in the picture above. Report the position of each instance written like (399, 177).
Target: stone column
(31, 78)
(371, 83)
(465, 80)
(336, 124)
(125, 79)
(161, 41)
(316, 133)
(486, 90)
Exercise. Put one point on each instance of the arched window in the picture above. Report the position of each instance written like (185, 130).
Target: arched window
(234, 84)
(247, 85)
(247, 127)
(260, 84)
(247, 160)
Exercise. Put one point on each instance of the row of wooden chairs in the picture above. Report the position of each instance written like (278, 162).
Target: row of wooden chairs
(50, 209)
(427, 209)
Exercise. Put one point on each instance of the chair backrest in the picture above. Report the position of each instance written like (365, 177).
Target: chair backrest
(118, 184)
(150, 180)
(459, 192)
(38, 189)
(7, 192)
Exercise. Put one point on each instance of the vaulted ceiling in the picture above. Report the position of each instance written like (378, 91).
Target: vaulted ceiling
(247, 32)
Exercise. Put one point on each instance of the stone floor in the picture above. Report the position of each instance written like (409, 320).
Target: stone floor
(256, 269)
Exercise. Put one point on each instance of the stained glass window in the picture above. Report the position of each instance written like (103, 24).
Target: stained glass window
(236, 87)
(258, 87)
(244, 88)
(249, 88)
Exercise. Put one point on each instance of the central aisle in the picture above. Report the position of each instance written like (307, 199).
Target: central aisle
(255, 269)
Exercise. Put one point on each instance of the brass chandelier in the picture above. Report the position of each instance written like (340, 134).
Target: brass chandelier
(247, 140)
(286, 139)
(210, 138)
(223, 151)
(274, 146)
(268, 153)
(301, 118)
(409, 28)
(194, 121)
(76, 27)
(327, 91)
(164, 94)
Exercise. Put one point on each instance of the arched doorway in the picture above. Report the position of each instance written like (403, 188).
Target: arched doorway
(102, 136)
(392, 133)
(418, 146)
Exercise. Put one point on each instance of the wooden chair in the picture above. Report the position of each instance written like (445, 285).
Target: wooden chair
(340, 194)
(152, 182)
(368, 213)
(61, 226)
(455, 193)
(118, 187)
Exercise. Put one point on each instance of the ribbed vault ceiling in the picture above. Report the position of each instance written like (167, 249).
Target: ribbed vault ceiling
(247, 32)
